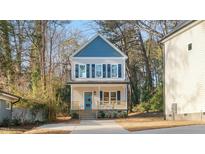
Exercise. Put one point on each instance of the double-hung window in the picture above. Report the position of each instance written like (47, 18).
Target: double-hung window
(82, 71)
(98, 69)
(106, 97)
(114, 71)
(112, 97)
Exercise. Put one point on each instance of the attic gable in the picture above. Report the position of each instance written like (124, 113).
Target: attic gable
(99, 47)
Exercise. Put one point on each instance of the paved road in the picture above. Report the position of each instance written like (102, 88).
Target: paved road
(111, 127)
(194, 129)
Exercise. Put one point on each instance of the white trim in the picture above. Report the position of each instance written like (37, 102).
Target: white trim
(76, 58)
(71, 97)
(109, 99)
(8, 96)
(184, 29)
(79, 71)
(123, 74)
(72, 55)
(101, 71)
(117, 71)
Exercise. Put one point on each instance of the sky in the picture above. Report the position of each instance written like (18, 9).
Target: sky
(85, 26)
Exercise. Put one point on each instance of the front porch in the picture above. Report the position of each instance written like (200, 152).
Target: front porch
(98, 97)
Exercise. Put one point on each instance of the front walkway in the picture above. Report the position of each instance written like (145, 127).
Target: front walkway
(88, 127)
(99, 127)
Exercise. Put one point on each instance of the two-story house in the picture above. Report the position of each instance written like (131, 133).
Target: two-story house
(184, 71)
(98, 78)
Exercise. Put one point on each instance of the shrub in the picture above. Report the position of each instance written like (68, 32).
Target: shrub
(157, 101)
(16, 122)
(101, 114)
(108, 115)
(5, 122)
(124, 114)
(114, 114)
(38, 122)
(154, 104)
(144, 107)
(75, 115)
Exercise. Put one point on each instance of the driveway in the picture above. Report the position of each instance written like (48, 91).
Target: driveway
(89, 127)
(194, 129)
(99, 127)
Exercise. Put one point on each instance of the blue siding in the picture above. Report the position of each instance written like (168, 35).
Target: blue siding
(98, 48)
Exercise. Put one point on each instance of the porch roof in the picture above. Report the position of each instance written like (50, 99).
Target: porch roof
(98, 82)
(9, 97)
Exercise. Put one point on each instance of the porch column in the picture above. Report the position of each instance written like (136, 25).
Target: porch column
(71, 98)
(98, 102)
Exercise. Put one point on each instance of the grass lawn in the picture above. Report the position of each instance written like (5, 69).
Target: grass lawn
(145, 121)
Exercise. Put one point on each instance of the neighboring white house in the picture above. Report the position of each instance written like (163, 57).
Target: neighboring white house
(6, 102)
(98, 78)
(184, 76)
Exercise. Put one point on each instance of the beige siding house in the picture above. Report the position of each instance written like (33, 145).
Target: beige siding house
(98, 79)
(184, 74)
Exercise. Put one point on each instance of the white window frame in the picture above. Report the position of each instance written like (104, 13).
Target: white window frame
(85, 71)
(96, 70)
(104, 97)
(109, 99)
(115, 96)
(111, 71)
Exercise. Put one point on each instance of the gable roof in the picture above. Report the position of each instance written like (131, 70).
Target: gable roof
(98, 46)
(178, 28)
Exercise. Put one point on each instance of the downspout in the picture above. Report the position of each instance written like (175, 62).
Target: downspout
(163, 83)
(12, 103)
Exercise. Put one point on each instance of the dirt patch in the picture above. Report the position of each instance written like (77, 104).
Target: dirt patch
(65, 120)
(16, 129)
(138, 122)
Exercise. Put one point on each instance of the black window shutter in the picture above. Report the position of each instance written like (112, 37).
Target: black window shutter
(119, 70)
(104, 70)
(101, 95)
(108, 70)
(76, 70)
(88, 70)
(118, 96)
(93, 70)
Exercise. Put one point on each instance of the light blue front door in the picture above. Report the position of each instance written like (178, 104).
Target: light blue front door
(88, 100)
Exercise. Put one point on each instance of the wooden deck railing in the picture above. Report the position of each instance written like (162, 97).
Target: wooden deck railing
(76, 105)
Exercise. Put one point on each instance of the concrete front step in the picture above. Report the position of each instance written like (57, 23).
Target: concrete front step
(87, 115)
